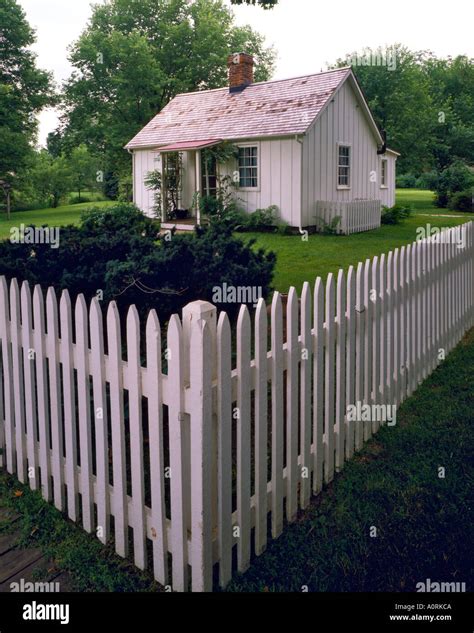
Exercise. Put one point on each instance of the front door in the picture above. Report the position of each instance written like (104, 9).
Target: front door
(209, 177)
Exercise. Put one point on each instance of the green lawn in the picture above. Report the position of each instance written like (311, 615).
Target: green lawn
(299, 261)
(61, 216)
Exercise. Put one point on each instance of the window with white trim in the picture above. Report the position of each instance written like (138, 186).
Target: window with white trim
(383, 172)
(248, 167)
(344, 166)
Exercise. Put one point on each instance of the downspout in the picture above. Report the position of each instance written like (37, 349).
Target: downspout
(300, 141)
(383, 149)
(130, 151)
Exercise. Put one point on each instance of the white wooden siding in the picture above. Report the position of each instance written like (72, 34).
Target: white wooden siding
(279, 178)
(343, 122)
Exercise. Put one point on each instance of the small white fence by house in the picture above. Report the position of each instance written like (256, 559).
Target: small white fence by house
(355, 216)
(182, 456)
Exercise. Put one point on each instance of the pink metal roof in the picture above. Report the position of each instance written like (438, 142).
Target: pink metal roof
(272, 108)
(188, 145)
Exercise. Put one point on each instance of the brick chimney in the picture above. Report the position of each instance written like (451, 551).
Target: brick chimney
(240, 71)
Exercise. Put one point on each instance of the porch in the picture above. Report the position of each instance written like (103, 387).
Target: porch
(191, 178)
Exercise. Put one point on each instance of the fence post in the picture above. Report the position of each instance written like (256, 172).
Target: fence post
(203, 456)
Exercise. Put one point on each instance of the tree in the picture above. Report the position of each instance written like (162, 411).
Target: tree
(50, 177)
(134, 57)
(401, 102)
(24, 90)
(83, 168)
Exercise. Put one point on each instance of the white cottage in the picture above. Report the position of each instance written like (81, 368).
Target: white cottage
(308, 145)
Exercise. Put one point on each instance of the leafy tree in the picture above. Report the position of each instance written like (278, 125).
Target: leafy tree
(24, 89)
(134, 57)
(425, 104)
(401, 102)
(50, 177)
(83, 169)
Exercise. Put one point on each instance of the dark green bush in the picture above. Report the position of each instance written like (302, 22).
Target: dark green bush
(115, 251)
(406, 181)
(456, 177)
(462, 201)
(79, 199)
(395, 214)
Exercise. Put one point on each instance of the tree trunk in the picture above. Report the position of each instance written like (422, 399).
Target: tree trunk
(8, 204)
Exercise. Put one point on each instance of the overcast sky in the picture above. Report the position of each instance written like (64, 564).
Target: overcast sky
(306, 33)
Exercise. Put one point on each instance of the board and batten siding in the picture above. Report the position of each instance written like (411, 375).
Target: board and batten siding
(279, 178)
(343, 121)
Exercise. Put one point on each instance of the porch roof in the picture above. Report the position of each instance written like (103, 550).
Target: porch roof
(184, 146)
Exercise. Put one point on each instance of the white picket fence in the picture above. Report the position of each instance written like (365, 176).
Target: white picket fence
(355, 216)
(218, 450)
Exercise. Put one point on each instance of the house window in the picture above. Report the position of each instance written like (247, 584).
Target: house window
(383, 173)
(344, 166)
(248, 167)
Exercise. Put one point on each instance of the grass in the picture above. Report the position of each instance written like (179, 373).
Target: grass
(422, 201)
(61, 216)
(299, 261)
(423, 522)
(92, 567)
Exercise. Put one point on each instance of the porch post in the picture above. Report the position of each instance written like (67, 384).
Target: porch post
(163, 188)
(198, 185)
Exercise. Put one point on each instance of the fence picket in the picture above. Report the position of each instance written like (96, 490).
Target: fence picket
(329, 386)
(119, 471)
(243, 438)
(85, 427)
(340, 368)
(305, 395)
(277, 415)
(157, 462)
(100, 420)
(29, 388)
(8, 382)
(368, 308)
(177, 430)
(261, 424)
(70, 420)
(375, 299)
(224, 443)
(360, 353)
(350, 360)
(42, 392)
(318, 382)
(293, 353)
(201, 454)
(56, 418)
(136, 436)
